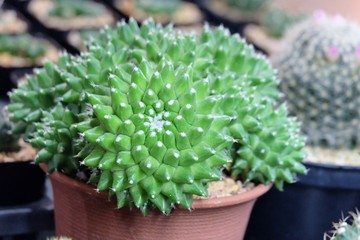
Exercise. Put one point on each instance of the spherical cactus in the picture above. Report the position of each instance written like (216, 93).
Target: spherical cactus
(344, 230)
(155, 115)
(320, 75)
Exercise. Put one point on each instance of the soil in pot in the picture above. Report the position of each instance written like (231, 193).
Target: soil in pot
(185, 14)
(21, 181)
(215, 218)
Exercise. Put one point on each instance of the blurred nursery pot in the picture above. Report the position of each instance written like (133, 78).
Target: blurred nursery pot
(234, 14)
(20, 181)
(178, 12)
(320, 74)
(150, 117)
(19, 51)
(60, 18)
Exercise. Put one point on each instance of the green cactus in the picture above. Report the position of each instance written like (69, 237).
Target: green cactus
(155, 115)
(76, 8)
(320, 74)
(345, 230)
(248, 5)
(22, 45)
(277, 21)
(8, 142)
(158, 6)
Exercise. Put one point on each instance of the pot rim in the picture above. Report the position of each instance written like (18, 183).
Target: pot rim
(331, 166)
(197, 203)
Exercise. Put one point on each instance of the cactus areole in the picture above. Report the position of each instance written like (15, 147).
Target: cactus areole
(155, 115)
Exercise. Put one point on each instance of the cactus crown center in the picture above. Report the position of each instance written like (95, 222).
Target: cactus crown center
(157, 122)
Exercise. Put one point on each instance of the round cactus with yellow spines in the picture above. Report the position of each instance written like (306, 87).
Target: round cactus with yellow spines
(155, 115)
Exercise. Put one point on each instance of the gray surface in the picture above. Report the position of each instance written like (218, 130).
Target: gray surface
(29, 218)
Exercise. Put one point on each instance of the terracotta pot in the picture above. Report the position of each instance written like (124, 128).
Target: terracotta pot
(83, 213)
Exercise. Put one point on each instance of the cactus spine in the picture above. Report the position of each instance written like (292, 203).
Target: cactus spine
(345, 229)
(155, 115)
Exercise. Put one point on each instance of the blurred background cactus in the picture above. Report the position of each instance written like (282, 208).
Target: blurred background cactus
(347, 229)
(75, 8)
(277, 21)
(248, 5)
(9, 142)
(156, 115)
(320, 74)
(22, 45)
(158, 6)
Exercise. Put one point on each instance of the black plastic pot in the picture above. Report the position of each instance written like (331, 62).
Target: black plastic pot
(216, 19)
(306, 210)
(20, 183)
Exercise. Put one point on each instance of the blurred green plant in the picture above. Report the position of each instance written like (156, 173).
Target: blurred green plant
(158, 6)
(22, 45)
(76, 8)
(248, 5)
(277, 21)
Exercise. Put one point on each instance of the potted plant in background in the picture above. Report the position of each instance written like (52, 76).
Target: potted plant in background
(150, 117)
(179, 12)
(61, 17)
(21, 52)
(273, 25)
(345, 230)
(15, 163)
(319, 71)
(234, 14)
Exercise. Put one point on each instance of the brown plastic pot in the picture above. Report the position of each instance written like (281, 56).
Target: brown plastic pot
(83, 213)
